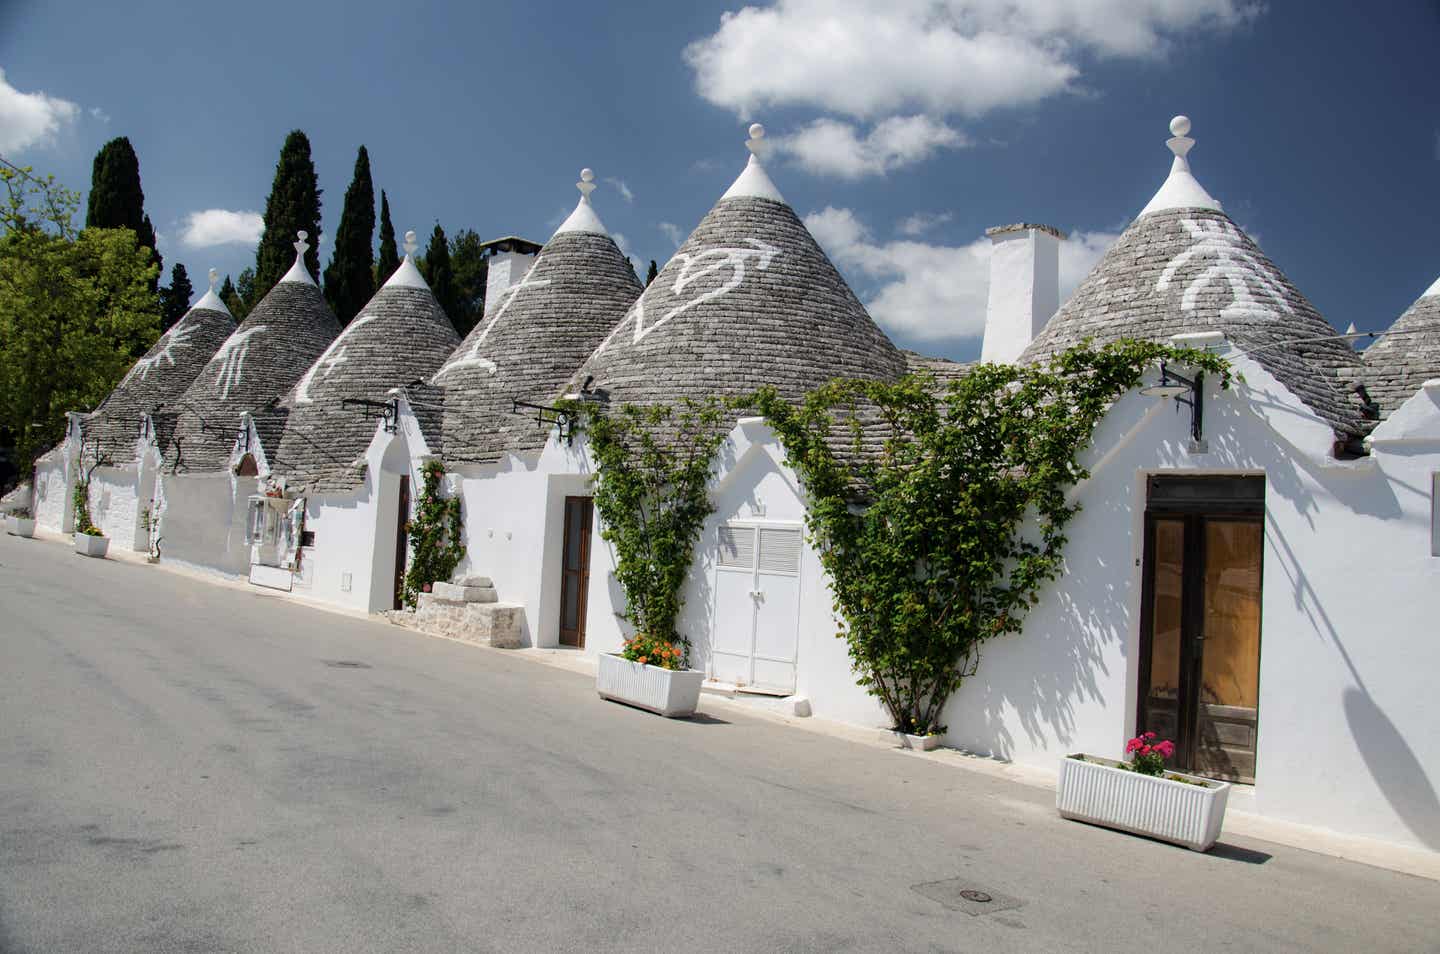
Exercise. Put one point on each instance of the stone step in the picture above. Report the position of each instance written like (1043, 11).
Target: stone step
(488, 624)
(474, 581)
(465, 592)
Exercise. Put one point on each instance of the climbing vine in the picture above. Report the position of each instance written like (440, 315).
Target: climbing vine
(435, 535)
(653, 466)
(942, 511)
(81, 495)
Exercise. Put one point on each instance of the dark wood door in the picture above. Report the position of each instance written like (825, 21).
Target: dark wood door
(575, 569)
(1200, 625)
(402, 540)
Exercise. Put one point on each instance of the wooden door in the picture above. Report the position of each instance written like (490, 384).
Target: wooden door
(402, 541)
(1200, 624)
(575, 569)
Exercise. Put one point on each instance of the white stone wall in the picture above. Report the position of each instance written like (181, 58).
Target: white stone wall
(115, 505)
(203, 521)
(53, 487)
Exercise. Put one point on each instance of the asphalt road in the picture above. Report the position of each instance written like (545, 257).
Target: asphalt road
(188, 767)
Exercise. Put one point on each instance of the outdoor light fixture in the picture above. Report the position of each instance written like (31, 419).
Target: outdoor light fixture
(1187, 391)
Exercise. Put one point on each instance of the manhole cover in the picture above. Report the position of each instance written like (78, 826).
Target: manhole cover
(960, 894)
(345, 664)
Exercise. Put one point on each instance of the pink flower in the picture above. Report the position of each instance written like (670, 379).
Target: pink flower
(1166, 748)
(1131, 746)
(1149, 735)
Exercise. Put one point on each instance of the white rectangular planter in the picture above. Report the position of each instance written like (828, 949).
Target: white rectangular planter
(920, 743)
(91, 546)
(1097, 792)
(20, 526)
(669, 692)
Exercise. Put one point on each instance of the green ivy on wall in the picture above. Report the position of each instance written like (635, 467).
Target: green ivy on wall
(435, 535)
(945, 510)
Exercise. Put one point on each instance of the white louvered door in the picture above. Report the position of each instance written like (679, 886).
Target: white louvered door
(757, 606)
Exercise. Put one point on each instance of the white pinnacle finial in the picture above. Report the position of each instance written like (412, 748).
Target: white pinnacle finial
(757, 134)
(301, 246)
(410, 244)
(586, 185)
(214, 277)
(1181, 144)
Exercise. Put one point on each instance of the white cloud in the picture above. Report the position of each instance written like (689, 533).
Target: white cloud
(834, 148)
(221, 227)
(922, 222)
(673, 232)
(97, 113)
(621, 242)
(31, 119)
(930, 293)
(622, 188)
(942, 57)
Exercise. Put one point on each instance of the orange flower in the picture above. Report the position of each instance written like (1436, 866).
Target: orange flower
(643, 659)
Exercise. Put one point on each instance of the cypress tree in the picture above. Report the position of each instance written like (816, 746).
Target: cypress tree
(350, 279)
(175, 299)
(389, 259)
(231, 298)
(116, 199)
(632, 268)
(652, 272)
(439, 274)
(293, 205)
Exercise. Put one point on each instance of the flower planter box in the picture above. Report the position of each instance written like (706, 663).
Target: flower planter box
(20, 526)
(669, 692)
(1098, 792)
(91, 545)
(920, 743)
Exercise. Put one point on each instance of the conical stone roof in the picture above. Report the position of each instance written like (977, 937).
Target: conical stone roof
(1183, 266)
(157, 379)
(1407, 356)
(748, 300)
(533, 338)
(264, 357)
(401, 335)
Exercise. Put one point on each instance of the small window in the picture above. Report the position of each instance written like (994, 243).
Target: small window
(1435, 514)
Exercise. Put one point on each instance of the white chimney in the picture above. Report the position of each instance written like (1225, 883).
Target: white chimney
(508, 260)
(1024, 287)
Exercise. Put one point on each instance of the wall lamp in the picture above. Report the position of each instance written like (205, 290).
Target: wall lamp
(1187, 391)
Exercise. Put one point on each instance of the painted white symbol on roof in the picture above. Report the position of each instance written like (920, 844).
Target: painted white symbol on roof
(333, 356)
(693, 268)
(176, 339)
(231, 358)
(1254, 289)
(470, 357)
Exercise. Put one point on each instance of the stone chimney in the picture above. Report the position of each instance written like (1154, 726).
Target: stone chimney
(1024, 287)
(508, 260)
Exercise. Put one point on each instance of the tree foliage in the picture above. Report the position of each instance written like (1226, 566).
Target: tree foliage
(175, 297)
(653, 467)
(232, 300)
(350, 277)
(293, 206)
(651, 273)
(436, 539)
(76, 309)
(471, 270)
(941, 539)
(389, 258)
(439, 273)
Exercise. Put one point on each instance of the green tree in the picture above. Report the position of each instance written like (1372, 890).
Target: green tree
(467, 262)
(116, 199)
(350, 278)
(293, 206)
(231, 298)
(651, 273)
(75, 310)
(175, 298)
(439, 273)
(245, 291)
(389, 259)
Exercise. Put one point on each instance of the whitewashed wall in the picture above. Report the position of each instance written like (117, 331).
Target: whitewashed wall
(202, 521)
(53, 488)
(115, 505)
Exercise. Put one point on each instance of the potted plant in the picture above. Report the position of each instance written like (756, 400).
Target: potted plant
(920, 743)
(651, 674)
(89, 541)
(20, 522)
(1139, 796)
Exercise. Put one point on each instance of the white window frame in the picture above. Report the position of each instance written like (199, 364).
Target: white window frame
(1435, 514)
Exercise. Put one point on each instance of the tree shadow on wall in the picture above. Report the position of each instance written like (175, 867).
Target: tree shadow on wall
(1394, 767)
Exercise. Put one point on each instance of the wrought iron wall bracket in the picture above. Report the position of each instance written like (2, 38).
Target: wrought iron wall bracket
(546, 416)
(387, 411)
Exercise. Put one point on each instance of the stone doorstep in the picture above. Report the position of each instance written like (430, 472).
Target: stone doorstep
(489, 624)
(464, 592)
(484, 581)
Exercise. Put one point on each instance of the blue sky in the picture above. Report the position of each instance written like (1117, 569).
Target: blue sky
(901, 130)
